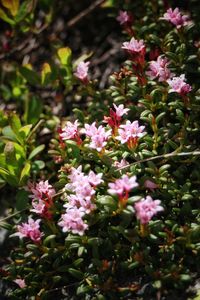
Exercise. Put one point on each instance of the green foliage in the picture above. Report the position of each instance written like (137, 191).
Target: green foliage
(118, 255)
(15, 150)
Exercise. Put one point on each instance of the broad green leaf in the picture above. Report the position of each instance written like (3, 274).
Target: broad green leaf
(30, 75)
(15, 124)
(25, 130)
(25, 173)
(38, 165)
(20, 151)
(2, 160)
(34, 110)
(64, 55)
(8, 133)
(21, 199)
(10, 154)
(45, 73)
(36, 151)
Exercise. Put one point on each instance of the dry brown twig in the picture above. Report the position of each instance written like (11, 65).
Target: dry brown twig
(84, 13)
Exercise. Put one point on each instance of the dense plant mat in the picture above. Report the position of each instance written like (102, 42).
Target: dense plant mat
(99, 150)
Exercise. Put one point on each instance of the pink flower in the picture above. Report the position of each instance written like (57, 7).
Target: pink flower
(90, 130)
(82, 71)
(83, 188)
(120, 110)
(130, 133)
(123, 17)
(120, 164)
(150, 185)
(30, 230)
(70, 131)
(95, 179)
(21, 283)
(122, 187)
(175, 17)
(41, 190)
(42, 196)
(38, 206)
(114, 118)
(179, 85)
(72, 221)
(78, 201)
(158, 69)
(134, 46)
(98, 135)
(146, 209)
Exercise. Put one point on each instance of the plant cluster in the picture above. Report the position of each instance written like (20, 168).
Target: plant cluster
(112, 211)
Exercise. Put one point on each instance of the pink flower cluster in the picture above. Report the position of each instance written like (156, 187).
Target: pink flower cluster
(179, 85)
(98, 136)
(42, 194)
(80, 202)
(130, 133)
(137, 50)
(176, 18)
(122, 187)
(134, 46)
(30, 230)
(114, 118)
(146, 209)
(70, 132)
(72, 221)
(82, 71)
(159, 69)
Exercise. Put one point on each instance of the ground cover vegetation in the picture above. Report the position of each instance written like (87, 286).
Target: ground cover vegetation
(99, 149)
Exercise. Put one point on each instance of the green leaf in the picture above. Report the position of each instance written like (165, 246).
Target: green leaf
(9, 178)
(25, 130)
(4, 17)
(64, 55)
(20, 151)
(21, 200)
(34, 110)
(36, 151)
(5, 225)
(3, 171)
(82, 289)
(15, 124)
(75, 273)
(25, 173)
(31, 76)
(46, 74)
(38, 165)
(9, 152)
(2, 160)
(22, 12)
(9, 133)
(49, 239)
